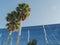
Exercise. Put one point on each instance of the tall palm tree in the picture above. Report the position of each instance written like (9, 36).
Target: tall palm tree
(23, 12)
(12, 24)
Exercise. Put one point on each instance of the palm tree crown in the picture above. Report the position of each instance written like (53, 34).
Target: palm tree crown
(12, 21)
(23, 11)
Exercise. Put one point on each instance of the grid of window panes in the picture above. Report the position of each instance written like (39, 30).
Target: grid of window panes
(35, 32)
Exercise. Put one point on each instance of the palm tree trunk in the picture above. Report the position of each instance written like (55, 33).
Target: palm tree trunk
(28, 36)
(19, 34)
(2, 39)
(11, 41)
(7, 43)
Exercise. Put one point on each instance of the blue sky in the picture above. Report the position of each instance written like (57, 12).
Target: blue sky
(42, 11)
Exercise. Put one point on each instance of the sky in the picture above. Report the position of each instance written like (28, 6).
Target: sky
(43, 12)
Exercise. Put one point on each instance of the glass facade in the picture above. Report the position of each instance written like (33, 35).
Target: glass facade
(47, 35)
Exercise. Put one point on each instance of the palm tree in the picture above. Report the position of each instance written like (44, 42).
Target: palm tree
(33, 42)
(12, 24)
(23, 12)
(29, 43)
